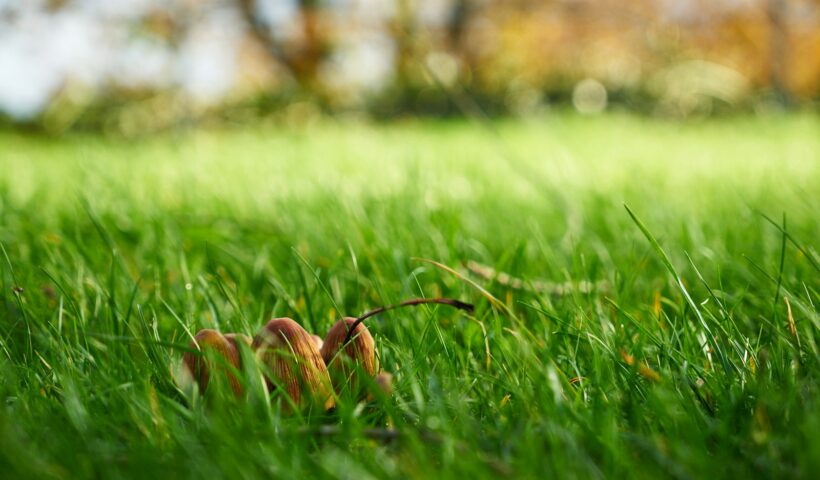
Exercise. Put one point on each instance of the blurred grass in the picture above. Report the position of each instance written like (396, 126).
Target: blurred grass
(117, 245)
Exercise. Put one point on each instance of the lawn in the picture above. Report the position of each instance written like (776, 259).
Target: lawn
(679, 343)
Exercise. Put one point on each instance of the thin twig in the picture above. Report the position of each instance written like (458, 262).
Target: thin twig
(468, 307)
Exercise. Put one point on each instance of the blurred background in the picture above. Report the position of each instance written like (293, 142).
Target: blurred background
(135, 66)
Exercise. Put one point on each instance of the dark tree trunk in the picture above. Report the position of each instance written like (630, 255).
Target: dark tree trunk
(778, 50)
(302, 58)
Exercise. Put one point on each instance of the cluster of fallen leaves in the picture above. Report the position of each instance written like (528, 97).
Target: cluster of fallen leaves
(312, 371)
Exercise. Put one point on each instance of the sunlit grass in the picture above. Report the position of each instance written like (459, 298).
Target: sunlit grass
(113, 248)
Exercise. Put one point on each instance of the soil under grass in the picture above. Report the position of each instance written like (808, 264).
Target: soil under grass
(597, 358)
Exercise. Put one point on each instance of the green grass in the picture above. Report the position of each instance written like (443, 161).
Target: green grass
(680, 363)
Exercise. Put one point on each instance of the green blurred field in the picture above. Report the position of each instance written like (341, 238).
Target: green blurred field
(113, 248)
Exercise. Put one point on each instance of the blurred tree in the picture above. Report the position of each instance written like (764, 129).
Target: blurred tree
(164, 62)
(301, 54)
(403, 30)
(778, 49)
